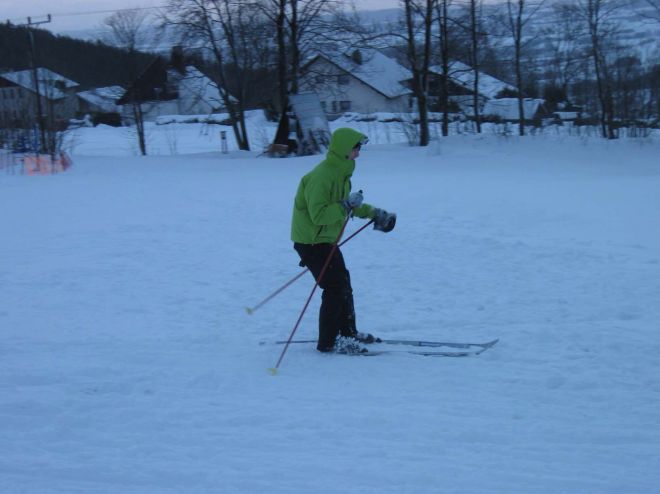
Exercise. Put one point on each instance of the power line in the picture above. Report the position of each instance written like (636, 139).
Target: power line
(93, 12)
(112, 11)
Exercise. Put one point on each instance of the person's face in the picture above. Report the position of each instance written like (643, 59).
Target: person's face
(354, 153)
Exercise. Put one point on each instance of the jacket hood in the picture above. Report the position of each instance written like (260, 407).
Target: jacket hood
(343, 141)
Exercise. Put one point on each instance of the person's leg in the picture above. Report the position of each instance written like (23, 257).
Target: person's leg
(335, 284)
(347, 326)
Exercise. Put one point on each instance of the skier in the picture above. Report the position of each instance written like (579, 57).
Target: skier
(322, 204)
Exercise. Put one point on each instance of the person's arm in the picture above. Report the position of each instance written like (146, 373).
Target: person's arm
(322, 210)
(364, 211)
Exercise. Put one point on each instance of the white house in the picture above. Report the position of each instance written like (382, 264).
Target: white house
(18, 100)
(168, 89)
(100, 100)
(196, 95)
(507, 109)
(462, 78)
(365, 81)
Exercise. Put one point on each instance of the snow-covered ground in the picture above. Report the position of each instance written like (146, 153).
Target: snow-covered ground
(128, 363)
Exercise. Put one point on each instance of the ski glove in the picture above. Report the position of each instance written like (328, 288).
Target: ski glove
(384, 221)
(354, 200)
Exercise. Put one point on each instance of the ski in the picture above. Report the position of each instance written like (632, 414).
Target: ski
(436, 344)
(461, 349)
(419, 343)
(373, 353)
(376, 348)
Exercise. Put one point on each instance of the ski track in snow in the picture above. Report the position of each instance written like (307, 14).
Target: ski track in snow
(127, 363)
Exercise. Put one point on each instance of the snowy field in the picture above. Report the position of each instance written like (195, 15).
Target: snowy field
(128, 363)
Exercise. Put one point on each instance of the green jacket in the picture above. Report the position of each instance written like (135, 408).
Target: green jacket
(317, 211)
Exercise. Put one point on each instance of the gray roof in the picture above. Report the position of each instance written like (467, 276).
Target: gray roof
(103, 97)
(463, 75)
(51, 84)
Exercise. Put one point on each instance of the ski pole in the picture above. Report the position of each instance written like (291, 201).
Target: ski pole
(251, 310)
(273, 370)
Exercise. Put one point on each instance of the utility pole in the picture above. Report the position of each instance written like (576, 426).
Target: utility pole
(35, 77)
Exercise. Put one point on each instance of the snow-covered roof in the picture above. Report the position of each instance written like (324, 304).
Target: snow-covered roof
(51, 84)
(379, 71)
(463, 75)
(507, 108)
(196, 83)
(103, 97)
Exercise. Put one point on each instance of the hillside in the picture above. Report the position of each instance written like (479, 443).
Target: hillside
(90, 63)
(638, 29)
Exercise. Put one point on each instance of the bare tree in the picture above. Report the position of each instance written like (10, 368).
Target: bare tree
(628, 82)
(564, 37)
(442, 7)
(519, 13)
(276, 12)
(300, 26)
(55, 129)
(653, 82)
(310, 24)
(419, 23)
(127, 29)
(475, 7)
(597, 14)
(231, 32)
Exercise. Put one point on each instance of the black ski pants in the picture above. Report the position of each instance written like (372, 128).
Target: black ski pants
(337, 314)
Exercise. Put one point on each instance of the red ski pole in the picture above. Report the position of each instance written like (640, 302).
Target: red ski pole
(273, 370)
(251, 310)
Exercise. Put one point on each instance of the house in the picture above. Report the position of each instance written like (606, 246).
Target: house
(100, 100)
(18, 101)
(364, 81)
(101, 104)
(567, 116)
(506, 109)
(566, 112)
(171, 88)
(461, 87)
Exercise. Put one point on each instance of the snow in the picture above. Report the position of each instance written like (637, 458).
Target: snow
(128, 364)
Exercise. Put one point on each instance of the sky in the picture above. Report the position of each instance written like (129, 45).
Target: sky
(68, 15)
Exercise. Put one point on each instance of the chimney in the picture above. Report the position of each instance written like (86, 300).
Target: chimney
(177, 60)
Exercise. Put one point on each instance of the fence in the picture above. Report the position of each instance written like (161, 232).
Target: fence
(34, 164)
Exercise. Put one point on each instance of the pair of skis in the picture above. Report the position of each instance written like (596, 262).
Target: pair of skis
(423, 348)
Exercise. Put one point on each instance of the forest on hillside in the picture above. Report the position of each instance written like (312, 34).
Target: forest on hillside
(91, 64)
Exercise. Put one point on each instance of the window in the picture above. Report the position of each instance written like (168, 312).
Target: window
(334, 107)
(345, 105)
(324, 105)
(343, 80)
